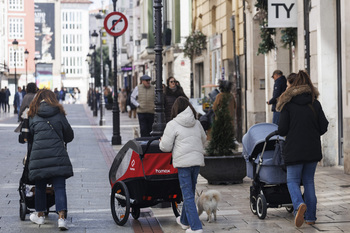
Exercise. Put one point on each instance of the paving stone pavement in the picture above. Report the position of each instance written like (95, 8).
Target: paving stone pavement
(88, 191)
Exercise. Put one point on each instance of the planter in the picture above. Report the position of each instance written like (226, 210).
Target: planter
(224, 169)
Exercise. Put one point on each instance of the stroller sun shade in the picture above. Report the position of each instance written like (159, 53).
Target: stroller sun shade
(253, 140)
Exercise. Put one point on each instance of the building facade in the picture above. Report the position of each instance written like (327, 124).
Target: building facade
(234, 30)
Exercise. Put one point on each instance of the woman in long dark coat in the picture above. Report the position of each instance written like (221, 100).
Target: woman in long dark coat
(302, 121)
(49, 161)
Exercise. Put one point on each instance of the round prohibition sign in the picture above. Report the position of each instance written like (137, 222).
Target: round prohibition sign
(115, 24)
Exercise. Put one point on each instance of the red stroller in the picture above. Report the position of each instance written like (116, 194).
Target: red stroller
(142, 176)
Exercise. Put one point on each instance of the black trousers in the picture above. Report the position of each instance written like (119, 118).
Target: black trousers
(146, 121)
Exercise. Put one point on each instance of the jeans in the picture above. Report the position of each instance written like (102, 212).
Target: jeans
(146, 121)
(305, 173)
(59, 184)
(188, 180)
(276, 117)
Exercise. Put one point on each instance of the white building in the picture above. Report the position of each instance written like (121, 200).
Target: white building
(75, 45)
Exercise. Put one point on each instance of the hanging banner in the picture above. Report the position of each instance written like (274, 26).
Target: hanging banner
(44, 18)
(282, 13)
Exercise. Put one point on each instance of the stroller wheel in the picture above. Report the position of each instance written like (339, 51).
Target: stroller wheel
(135, 212)
(22, 210)
(177, 208)
(253, 205)
(261, 206)
(120, 203)
(290, 209)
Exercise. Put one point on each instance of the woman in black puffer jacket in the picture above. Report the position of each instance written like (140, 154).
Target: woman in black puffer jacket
(49, 161)
(302, 121)
(171, 92)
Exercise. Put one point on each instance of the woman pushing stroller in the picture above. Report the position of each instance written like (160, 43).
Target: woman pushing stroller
(302, 121)
(49, 161)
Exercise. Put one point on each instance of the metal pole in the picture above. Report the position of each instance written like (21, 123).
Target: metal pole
(102, 102)
(159, 117)
(94, 108)
(26, 71)
(116, 138)
(15, 72)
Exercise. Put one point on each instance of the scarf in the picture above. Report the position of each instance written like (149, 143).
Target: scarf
(292, 92)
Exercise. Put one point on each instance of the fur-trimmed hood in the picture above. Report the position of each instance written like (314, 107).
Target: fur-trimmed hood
(293, 92)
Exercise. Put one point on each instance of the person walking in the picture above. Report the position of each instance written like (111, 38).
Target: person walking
(17, 102)
(129, 106)
(49, 161)
(171, 93)
(279, 87)
(122, 96)
(7, 96)
(185, 137)
(27, 99)
(143, 98)
(2, 100)
(302, 121)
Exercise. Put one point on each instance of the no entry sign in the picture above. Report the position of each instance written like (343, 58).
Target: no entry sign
(115, 24)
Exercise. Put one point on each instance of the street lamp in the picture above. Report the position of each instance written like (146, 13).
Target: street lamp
(15, 47)
(99, 18)
(36, 75)
(116, 138)
(159, 117)
(26, 54)
(107, 74)
(88, 59)
(93, 53)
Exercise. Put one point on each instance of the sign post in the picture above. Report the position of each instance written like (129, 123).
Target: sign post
(115, 25)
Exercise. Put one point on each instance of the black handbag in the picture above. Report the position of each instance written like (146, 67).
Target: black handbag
(24, 131)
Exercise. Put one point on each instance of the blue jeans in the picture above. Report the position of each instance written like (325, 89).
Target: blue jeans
(59, 184)
(146, 121)
(305, 173)
(276, 117)
(188, 180)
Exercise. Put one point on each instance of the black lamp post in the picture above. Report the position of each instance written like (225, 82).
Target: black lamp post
(159, 117)
(94, 100)
(88, 60)
(99, 18)
(26, 54)
(116, 138)
(15, 47)
(36, 62)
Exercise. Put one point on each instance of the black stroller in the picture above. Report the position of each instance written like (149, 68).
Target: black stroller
(26, 191)
(142, 176)
(262, 149)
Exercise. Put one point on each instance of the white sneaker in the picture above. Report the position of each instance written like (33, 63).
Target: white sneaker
(184, 227)
(36, 219)
(62, 224)
(189, 230)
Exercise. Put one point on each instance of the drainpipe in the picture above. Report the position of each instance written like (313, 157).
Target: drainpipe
(238, 88)
(307, 7)
(245, 66)
(339, 79)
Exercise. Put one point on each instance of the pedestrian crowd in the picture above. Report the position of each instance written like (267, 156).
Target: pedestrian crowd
(296, 111)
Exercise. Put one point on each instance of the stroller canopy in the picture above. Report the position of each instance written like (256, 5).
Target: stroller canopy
(254, 139)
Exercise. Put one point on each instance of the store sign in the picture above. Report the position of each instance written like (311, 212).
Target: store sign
(282, 13)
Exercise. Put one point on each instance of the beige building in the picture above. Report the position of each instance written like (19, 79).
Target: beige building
(321, 46)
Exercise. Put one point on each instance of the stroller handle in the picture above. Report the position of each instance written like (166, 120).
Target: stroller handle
(271, 135)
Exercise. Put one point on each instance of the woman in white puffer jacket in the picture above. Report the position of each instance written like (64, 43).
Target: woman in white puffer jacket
(185, 137)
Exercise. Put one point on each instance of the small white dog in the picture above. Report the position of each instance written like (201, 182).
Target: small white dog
(208, 202)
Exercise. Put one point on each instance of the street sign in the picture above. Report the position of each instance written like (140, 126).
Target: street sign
(282, 13)
(115, 24)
